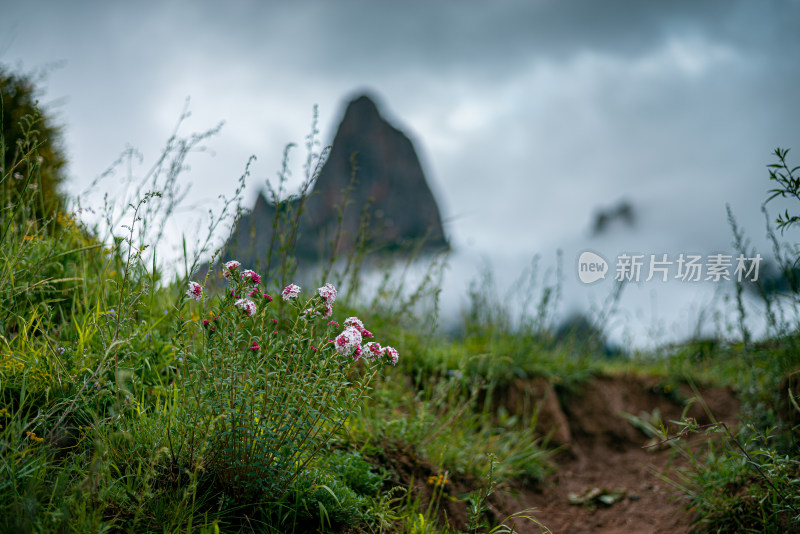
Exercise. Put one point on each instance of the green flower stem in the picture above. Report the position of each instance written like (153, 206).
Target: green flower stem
(361, 392)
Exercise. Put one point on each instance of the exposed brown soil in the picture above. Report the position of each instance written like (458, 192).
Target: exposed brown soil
(599, 450)
(605, 452)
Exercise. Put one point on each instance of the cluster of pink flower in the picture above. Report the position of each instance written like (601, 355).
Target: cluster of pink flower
(250, 277)
(328, 293)
(247, 306)
(291, 291)
(355, 322)
(230, 267)
(210, 323)
(195, 291)
(348, 343)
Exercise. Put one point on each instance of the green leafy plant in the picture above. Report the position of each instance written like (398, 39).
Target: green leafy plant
(478, 508)
(788, 186)
(747, 486)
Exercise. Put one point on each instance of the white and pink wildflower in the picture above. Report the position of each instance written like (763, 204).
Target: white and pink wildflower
(392, 354)
(348, 342)
(248, 275)
(356, 323)
(230, 267)
(373, 351)
(291, 291)
(195, 291)
(247, 306)
(328, 292)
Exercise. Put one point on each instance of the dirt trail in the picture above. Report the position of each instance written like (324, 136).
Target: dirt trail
(603, 451)
(647, 507)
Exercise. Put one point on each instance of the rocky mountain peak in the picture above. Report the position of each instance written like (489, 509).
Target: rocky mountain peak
(389, 181)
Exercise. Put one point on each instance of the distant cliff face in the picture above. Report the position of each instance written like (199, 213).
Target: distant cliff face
(389, 177)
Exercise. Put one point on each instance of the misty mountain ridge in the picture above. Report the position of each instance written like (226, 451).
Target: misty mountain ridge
(389, 206)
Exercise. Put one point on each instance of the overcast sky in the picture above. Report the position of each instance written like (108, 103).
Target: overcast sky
(528, 115)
